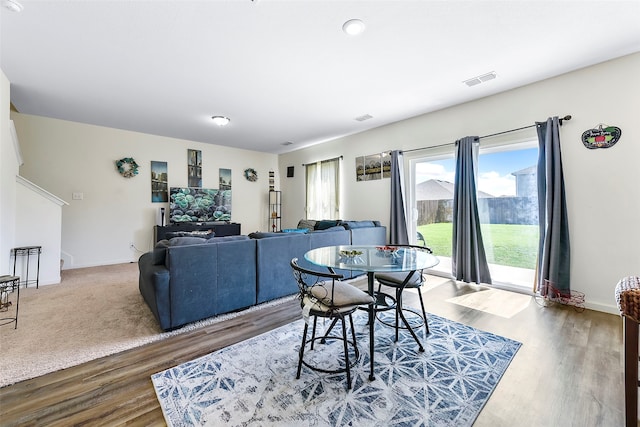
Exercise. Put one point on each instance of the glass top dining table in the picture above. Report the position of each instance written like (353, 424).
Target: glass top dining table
(372, 259)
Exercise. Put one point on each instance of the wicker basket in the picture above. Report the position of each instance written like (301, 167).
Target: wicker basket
(628, 297)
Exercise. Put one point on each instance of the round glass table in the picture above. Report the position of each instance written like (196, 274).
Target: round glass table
(372, 259)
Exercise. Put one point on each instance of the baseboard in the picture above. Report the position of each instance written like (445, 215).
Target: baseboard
(111, 262)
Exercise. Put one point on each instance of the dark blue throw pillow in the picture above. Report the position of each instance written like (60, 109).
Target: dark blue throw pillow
(324, 224)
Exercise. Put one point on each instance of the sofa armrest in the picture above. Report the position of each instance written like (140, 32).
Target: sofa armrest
(153, 283)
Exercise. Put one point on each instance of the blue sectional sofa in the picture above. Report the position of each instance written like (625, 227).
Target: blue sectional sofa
(186, 279)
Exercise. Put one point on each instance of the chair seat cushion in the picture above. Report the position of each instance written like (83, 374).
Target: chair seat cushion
(315, 305)
(344, 294)
(396, 279)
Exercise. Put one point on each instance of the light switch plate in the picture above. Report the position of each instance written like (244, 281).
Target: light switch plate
(77, 196)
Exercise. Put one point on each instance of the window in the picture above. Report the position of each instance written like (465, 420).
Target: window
(323, 189)
(507, 204)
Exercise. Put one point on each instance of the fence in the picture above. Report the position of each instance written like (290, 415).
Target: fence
(499, 210)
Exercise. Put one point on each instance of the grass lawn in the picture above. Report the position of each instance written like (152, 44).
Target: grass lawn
(505, 244)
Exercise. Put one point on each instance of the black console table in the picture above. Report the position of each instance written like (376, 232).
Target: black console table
(220, 229)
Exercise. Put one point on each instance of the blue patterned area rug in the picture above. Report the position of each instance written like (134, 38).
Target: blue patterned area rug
(253, 382)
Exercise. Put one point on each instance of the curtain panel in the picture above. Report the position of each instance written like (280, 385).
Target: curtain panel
(554, 252)
(468, 258)
(398, 234)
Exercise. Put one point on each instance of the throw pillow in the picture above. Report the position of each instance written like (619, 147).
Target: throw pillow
(205, 234)
(324, 224)
(308, 224)
(183, 241)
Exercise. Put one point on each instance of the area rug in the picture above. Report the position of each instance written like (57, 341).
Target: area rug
(253, 382)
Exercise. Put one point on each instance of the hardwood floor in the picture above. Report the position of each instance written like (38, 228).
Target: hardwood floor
(567, 373)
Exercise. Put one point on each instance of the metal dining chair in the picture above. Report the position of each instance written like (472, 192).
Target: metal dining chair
(399, 282)
(323, 295)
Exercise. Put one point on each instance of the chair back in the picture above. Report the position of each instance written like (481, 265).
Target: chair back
(306, 278)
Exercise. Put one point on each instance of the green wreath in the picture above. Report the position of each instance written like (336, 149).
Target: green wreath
(251, 175)
(127, 167)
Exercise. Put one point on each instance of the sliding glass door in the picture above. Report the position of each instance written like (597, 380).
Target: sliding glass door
(507, 199)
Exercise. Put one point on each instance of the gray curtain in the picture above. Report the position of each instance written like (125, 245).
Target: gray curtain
(553, 250)
(468, 259)
(398, 234)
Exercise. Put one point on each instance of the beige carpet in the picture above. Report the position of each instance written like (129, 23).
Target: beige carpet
(92, 313)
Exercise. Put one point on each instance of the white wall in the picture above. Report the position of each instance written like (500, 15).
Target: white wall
(66, 157)
(38, 223)
(603, 186)
(8, 171)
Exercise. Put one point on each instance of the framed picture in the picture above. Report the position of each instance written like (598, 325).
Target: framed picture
(224, 179)
(159, 180)
(194, 167)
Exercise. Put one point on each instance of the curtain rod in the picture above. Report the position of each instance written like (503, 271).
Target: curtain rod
(319, 161)
(567, 118)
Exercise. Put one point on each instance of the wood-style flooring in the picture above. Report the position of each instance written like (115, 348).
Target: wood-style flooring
(567, 373)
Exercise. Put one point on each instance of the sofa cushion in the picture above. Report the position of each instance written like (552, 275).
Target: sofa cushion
(223, 239)
(326, 223)
(295, 230)
(264, 235)
(350, 225)
(330, 229)
(159, 252)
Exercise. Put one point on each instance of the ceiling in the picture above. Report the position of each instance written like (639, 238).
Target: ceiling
(284, 71)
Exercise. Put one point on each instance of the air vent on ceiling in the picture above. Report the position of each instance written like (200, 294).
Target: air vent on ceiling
(364, 117)
(480, 79)
(287, 143)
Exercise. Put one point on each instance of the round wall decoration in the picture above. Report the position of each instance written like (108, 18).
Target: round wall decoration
(601, 137)
(251, 174)
(127, 167)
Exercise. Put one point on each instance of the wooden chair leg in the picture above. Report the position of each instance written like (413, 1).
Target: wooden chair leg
(630, 372)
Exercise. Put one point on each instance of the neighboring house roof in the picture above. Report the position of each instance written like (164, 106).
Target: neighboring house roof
(435, 189)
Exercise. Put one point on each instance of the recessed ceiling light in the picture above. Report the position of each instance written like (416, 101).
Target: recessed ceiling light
(12, 5)
(220, 120)
(353, 27)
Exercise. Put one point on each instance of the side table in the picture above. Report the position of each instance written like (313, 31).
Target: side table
(27, 251)
(9, 284)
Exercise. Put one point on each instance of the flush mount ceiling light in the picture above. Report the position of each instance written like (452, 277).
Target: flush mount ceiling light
(220, 120)
(353, 27)
(12, 5)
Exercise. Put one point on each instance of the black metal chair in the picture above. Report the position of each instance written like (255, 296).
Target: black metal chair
(400, 282)
(420, 238)
(324, 295)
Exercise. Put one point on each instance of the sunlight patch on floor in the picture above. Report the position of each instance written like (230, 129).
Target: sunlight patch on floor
(494, 301)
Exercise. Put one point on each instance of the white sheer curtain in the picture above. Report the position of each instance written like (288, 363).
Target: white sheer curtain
(323, 189)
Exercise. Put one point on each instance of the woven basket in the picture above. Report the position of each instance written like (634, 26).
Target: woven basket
(628, 297)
